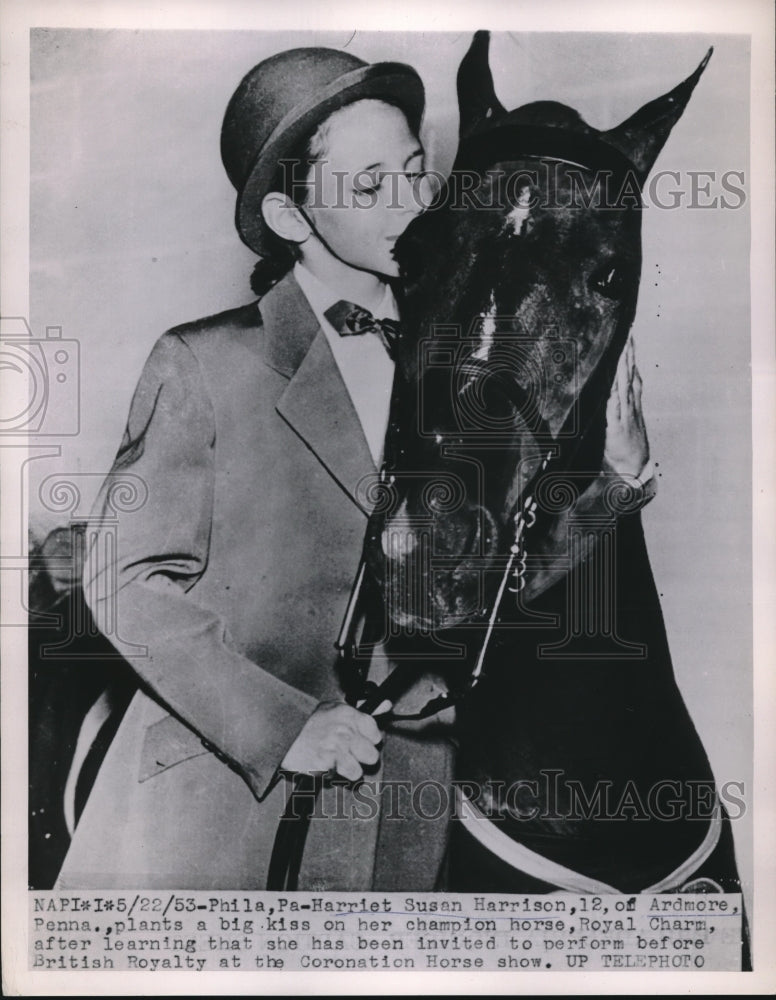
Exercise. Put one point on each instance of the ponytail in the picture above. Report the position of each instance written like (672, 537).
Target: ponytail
(268, 272)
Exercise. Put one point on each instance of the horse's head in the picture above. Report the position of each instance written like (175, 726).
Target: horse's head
(520, 287)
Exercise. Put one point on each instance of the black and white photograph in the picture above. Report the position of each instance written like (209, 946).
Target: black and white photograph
(387, 441)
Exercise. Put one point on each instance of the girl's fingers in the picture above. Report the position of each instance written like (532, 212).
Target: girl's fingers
(364, 751)
(613, 403)
(368, 728)
(347, 766)
(630, 348)
(623, 381)
(637, 386)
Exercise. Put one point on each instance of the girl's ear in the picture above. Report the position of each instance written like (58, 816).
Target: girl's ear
(284, 218)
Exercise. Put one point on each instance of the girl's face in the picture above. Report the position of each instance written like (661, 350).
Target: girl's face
(364, 188)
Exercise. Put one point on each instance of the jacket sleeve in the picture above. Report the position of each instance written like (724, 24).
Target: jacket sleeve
(146, 559)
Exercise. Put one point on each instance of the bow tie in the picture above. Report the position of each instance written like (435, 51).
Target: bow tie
(350, 320)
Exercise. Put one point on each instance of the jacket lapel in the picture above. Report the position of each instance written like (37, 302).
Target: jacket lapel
(316, 402)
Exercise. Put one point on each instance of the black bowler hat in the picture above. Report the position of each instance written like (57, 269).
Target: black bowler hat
(282, 101)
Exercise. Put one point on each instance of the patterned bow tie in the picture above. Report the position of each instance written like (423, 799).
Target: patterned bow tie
(350, 320)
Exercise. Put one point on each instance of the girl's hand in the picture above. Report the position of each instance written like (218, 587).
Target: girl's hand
(626, 451)
(336, 738)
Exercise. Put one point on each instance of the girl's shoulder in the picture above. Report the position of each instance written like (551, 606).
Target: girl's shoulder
(230, 321)
(220, 340)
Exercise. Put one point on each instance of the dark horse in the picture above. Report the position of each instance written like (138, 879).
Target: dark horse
(501, 549)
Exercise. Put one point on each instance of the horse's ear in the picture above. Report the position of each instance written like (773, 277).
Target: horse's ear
(477, 99)
(642, 136)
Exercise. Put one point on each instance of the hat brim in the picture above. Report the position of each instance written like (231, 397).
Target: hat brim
(396, 83)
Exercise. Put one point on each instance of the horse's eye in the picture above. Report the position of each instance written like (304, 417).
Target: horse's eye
(609, 280)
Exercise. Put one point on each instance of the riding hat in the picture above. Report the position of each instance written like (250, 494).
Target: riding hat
(280, 102)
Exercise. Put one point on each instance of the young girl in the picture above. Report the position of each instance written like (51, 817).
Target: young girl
(256, 434)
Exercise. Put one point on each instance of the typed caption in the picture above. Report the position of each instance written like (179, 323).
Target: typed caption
(248, 931)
